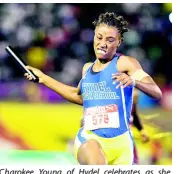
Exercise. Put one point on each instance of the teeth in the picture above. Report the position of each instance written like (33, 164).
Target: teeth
(101, 51)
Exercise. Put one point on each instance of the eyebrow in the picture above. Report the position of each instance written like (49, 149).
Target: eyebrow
(109, 37)
(99, 34)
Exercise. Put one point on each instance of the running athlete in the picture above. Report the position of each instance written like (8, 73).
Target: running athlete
(105, 91)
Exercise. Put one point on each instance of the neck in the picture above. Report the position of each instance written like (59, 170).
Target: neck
(104, 61)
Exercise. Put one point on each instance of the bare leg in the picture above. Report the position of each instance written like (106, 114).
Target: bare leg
(90, 153)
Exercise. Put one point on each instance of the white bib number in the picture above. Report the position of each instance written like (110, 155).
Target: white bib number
(101, 117)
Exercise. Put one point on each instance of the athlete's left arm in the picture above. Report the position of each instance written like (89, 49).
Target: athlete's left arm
(143, 81)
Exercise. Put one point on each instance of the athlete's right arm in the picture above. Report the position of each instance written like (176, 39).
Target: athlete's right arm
(70, 93)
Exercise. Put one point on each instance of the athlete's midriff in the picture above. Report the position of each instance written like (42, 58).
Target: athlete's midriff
(103, 120)
(101, 117)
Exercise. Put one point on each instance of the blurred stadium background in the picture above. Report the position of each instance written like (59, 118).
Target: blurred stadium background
(37, 125)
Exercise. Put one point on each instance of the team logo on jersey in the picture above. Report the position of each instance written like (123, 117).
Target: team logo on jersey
(98, 91)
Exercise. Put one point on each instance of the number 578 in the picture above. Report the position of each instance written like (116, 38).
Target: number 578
(100, 119)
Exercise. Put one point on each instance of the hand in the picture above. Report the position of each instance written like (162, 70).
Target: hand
(144, 136)
(123, 78)
(37, 72)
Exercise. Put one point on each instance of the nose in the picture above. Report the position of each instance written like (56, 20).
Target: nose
(103, 44)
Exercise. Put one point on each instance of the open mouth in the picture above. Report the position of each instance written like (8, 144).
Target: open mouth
(101, 51)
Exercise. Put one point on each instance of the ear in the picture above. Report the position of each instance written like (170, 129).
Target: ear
(119, 43)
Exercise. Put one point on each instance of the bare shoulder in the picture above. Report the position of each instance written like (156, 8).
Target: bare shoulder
(127, 63)
(86, 67)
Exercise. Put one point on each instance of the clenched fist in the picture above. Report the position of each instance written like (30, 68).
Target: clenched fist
(37, 72)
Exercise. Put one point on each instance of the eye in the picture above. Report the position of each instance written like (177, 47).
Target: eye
(110, 40)
(99, 38)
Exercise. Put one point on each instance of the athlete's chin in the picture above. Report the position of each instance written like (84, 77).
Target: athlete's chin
(101, 56)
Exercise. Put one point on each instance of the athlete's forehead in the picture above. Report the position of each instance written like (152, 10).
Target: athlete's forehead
(106, 31)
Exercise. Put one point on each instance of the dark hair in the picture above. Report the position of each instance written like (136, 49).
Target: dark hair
(111, 19)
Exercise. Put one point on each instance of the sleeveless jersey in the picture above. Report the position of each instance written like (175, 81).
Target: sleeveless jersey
(104, 104)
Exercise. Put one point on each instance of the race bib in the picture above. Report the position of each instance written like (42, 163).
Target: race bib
(101, 117)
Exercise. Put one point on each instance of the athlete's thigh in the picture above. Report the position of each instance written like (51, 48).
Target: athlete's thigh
(90, 153)
(124, 150)
(87, 149)
(126, 157)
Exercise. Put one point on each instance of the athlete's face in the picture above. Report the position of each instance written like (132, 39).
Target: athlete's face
(106, 41)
